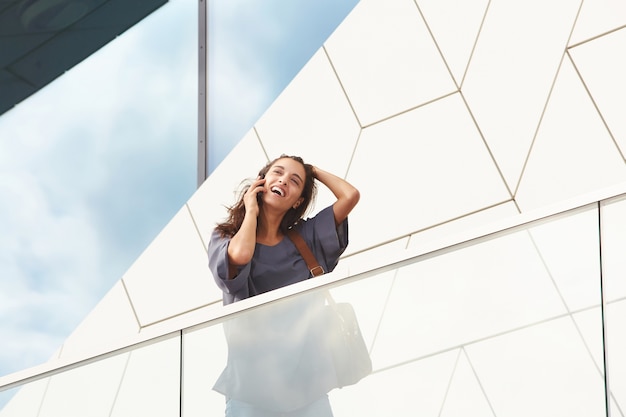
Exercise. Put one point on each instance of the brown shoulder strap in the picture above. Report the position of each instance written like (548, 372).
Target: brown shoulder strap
(314, 267)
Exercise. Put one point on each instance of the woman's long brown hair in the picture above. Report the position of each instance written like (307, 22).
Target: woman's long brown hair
(237, 212)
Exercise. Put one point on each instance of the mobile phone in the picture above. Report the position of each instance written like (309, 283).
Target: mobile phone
(259, 196)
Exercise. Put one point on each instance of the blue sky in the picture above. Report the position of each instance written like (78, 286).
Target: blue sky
(94, 165)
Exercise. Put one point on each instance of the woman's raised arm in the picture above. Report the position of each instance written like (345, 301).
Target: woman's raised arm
(347, 195)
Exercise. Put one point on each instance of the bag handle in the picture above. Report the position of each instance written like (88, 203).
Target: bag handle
(314, 267)
(311, 262)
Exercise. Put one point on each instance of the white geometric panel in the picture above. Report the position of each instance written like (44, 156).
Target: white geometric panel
(512, 69)
(540, 371)
(414, 389)
(427, 238)
(573, 152)
(573, 263)
(312, 118)
(208, 204)
(464, 296)
(110, 321)
(171, 276)
(387, 60)
(419, 169)
(602, 65)
(598, 17)
(504, 326)
(465, 396)
(455, 25)
(351, 262)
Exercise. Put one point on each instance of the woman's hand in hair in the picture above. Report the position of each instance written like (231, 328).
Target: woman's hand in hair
(347, 195)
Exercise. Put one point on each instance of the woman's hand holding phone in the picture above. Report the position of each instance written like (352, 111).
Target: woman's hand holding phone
(254, 196)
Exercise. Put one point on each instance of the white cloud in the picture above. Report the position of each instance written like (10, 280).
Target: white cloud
(48, 260)
(91, 168)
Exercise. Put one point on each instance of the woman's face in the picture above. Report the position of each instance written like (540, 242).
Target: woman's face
(284, 183)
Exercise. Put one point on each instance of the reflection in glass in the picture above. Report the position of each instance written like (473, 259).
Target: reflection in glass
(283, 357)
(509, 325)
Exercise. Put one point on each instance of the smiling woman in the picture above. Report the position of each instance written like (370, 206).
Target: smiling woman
(249, 254)
(268, 208)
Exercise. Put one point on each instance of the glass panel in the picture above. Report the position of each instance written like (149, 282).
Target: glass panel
(151, 381)
(255, 49)
(569, 251)
(504, 326)
(144, 381)
(509, 324)
(614, 270)
(23, 401)
(613, 248)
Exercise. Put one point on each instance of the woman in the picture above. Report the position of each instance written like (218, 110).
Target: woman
(250, 254)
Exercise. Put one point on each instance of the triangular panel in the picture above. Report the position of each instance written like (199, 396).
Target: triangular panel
(598, 17)
(465, 396)
(312, 118)
(455, 26)
(511, 72)
(419, 169)
(602, 67)
(573, 152)
(534, 371)
(387, 60)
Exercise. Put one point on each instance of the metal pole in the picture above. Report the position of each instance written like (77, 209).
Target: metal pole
(202, 93)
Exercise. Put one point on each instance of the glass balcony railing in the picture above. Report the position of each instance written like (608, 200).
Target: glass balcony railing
(524, 321)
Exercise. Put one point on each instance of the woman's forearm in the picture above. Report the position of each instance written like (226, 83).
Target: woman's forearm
(242, 244)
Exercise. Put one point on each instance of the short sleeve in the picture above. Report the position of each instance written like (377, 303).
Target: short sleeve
(233, 289)
(327, 240)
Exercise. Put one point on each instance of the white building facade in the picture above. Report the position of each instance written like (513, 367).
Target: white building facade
(485, 264)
